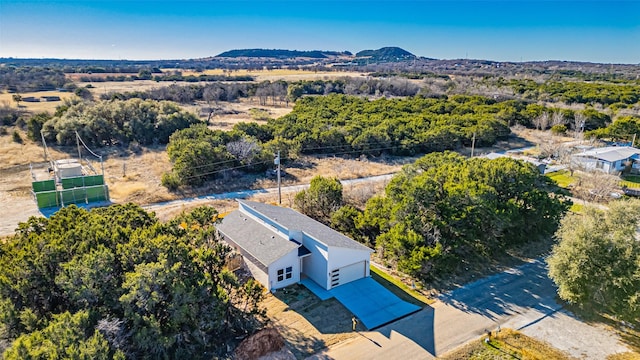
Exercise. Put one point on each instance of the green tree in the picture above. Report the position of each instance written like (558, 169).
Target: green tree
(17, 98)
(445, 207)
(151, 289)
(323, 197)
(67, 336)
(596, 263)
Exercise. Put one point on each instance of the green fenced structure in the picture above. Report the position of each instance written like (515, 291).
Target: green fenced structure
(82, 181)
(76, 190)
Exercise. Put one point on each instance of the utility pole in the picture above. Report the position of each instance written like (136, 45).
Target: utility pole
(44, 145)
(277, 162)
(633, 142)
(78, 145)
(473, 144)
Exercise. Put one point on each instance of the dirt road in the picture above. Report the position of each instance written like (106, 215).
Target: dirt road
(20, 209)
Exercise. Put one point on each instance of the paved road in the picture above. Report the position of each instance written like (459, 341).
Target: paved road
(247, 193)
(521, 298)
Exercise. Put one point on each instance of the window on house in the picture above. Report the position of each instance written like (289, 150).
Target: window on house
(286, 273)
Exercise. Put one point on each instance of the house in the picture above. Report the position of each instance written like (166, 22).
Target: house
(609, 159)
(280, 247)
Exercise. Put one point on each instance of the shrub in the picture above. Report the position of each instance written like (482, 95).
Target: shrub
(170, 181)
(559, 129)
(16, 137)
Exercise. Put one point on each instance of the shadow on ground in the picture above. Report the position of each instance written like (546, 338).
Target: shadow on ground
(507, 293)
(424, 320)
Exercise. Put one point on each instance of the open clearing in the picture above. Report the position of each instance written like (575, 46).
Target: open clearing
(37, 107)
(279, 74)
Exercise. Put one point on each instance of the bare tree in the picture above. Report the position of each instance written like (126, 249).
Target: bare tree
(243, 149)
(579, 120)
(596, 185)
(212, 94)
(542, 121)
(558, 118)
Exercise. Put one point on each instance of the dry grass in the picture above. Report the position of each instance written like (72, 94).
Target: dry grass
(13, 153)
(136, 178)
(277, 74)
(307, 323)
(104, 87)
(37, 107)
(232, 113)
(508, 344)
(624, 356)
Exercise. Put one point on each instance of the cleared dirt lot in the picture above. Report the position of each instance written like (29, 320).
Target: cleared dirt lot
(307, 323)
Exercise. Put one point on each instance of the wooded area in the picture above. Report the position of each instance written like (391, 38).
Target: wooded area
(116, 283)
(445, 211)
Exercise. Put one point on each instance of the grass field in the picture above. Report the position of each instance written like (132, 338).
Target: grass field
(562, 178)
(631, 181)
(399, 288)
(288, 74)
(507, 344)
(576, 208)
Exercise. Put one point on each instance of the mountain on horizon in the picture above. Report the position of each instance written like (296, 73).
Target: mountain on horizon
(390, 53)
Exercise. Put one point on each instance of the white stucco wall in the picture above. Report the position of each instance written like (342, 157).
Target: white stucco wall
(291, 259)
(295, 235)
(315, 265)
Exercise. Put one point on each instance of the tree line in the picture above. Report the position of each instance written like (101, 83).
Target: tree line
(116, 283)
(106, 123)
(30, 78)
(273, 91)
(625, 128)
(620, 94)
(443, 211)
(339, 124)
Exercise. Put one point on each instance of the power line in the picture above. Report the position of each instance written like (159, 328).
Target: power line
(225, 169)
(268, 161)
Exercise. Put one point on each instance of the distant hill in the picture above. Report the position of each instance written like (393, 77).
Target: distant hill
(386, 54)
(282, 54)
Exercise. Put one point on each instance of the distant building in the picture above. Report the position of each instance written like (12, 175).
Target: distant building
(609, 159)
(50, 98)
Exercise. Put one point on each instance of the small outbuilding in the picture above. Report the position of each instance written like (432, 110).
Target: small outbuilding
(281, 246)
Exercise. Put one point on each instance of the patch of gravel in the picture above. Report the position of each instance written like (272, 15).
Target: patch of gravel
(581, 340)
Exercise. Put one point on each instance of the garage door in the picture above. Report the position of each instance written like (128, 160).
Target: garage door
(348, 273)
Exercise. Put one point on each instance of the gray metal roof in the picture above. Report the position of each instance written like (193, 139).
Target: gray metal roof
(293, 220)
(611, 153)
(260, 241)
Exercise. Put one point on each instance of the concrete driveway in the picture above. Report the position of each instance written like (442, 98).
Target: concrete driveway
(369, 301)
(522, 298)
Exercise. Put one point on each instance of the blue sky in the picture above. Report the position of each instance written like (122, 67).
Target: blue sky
(503, 30)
